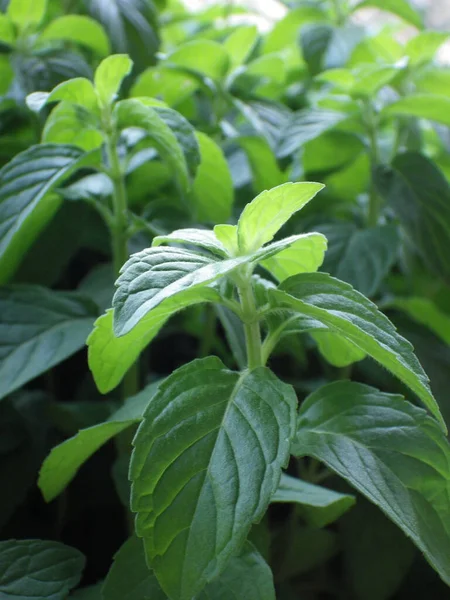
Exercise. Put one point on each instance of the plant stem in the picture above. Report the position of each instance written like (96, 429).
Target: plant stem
(209, 331)
(374, 201)
(340, 16)
(251, 323)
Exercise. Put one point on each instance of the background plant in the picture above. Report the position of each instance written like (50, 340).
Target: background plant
(111, 149)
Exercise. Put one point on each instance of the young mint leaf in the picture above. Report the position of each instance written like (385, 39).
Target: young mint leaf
(79, 91)
(304, 256)
(424, 311)
(109, 76)
(267, 213)
(39, 328)
(196, 486)
(400, 8)
(350, 314)
(7, 34)
(38, 569)
(129, 578)
(25, 203)
(423, 47)
(63, 462)
(204, 238)
(390, 451)
(337, 350)
(263, 164)
(240, 44)
(212, 191)
(26, 13)
(320, 506)
(73, 125)
(227, 236)
(423, 106)
(79, 29)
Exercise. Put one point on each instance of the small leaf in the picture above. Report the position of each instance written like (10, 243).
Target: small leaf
(63, 462)
(7, 35)
(426, 312)
(109, 76)
(227, 235)
(204, 238)
(79, 91)
(400, 8)
(263, 164)
(26, 13)
(38, 569)
(423, 47)
(305, 256)
(129, 578)
(240, 44)
(212, 190)
(423, 106)
(320, 506)
(80, 30)
(72, 125)
(25, 203)
(390, 451)
(337, 350)
(267, 213)
(39, 328)
(204, 56)
(206, 462)
(348, 313)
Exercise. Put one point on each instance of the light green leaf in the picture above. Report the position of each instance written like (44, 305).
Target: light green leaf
(39, 328)
(71, 124)
(109, 76)
(425, 312)
(247, 576)
(227, 235)
(79, 91)
(390, 451)
(204, 238)
(337, 350)
(423, 47)
(369, 79)
(197, 489)
(267, 213)
(132, 113)
(6, 72)
(348, 313)
(305, 256)
(64, 461)
(7, 35)
(306, 125)
(320, 506)
(38, 569)
(420, 195)
(203, 56)
(433, 80)
(263, 164)
(212, 190)
(400, 8)
(80, 30)
(129, 578)
(26, 13)
(240, 43)
(423, 106)
(25, 203)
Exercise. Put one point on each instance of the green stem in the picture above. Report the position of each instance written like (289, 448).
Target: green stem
(251, 323)
(338, 9)
(374, 200)
(209, 331)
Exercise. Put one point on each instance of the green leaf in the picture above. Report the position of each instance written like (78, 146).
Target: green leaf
(25, 203)
(361, 257)
(204, 238)
(247, 576)
(72, 125)
(203, 56)
(306, 125)
(26, 13)
(132, 113)
(92, 592)
(240, 44)
(433, 80)
(64, 461)
(423, 47)
(39, 328)
(350, 314)
(424, 106)
(38, 569)
(6, 73)
(425, 312)
(80, 30)
(267, 213)
(420, 195)
(326, 47)
(129, 578)
(109, 77)
(320, 506)
(196, 486)
(212, 190)
(7, 34)
(304, 256)
(265, 170)
(79, 91)
(400, 8)
(391, 452)
(337, 350)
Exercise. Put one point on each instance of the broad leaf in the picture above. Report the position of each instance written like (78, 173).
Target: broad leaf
(320, 506)
(400, 8)
(326, 47)
(391, 452)
(420, 195)
(38, 569)
(304, 256)
(267, 213)
(109, 76)
(207, 460)
(212, 190)
(63, 462)
(25, 203)
(306, 125)
(79, 29)
(424, 106)
(25, 13)
(348, 313)
(129, 578)
(39, 328)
